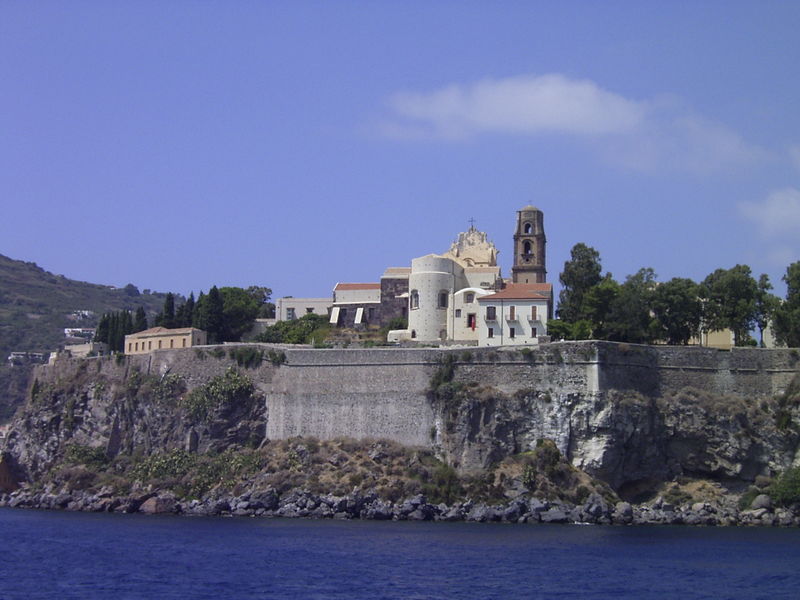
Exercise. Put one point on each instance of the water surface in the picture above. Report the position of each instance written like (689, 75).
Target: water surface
(80, 555)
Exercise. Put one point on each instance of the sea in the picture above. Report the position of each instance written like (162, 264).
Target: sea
(84, 555)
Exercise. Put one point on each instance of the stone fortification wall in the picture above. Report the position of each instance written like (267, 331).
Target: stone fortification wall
(370, 393)
(618, 411)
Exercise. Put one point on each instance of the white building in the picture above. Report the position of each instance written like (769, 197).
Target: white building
(516, 315)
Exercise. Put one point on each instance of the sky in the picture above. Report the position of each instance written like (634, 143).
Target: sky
(179, 145)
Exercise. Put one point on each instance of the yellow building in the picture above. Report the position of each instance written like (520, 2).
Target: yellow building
(161, 338)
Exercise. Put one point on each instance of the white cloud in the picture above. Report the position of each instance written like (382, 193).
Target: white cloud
(522, 105)
(777, 215)
(656, 134)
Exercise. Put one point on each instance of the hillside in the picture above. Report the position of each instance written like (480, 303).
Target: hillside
(36, 306)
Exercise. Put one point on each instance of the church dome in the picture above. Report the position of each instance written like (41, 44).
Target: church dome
(529, 208)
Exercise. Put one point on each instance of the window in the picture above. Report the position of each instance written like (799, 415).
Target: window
(458, 313)
(413, 333)
(129, 346)
(491, 332)
(472, 321)
(491, 313)
(512, 333)
(149, 345)
(533, 332)
(159, 344)
(512, 313)
(527, 228)
(469, 298)
(137, 346)
(370, 313)
(414, 299)
(290, 314)
(526, 248)
(442, 299)
(309, 310)
(172, 343)
(183, 343)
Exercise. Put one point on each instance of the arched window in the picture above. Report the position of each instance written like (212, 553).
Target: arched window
(442, 303)
(526, 248)
(469, 298)
(414, 299)
(413, 333)
(528, 228)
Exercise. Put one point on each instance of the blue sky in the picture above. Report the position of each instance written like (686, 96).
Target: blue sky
(179, 145)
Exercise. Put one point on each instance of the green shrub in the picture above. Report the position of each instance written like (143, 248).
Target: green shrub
(247, 356)
(89, 456)
(444, 485)
(221, 391)
(276, 357)
(786, 489)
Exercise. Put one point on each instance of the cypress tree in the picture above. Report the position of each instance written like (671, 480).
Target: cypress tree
(167, 316)
(215, 320)
(102, 331)
(199, 313)
(140, 321)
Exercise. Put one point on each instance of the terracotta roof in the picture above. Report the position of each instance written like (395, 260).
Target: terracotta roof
(522, 291)
(162, 331)
(342, 287)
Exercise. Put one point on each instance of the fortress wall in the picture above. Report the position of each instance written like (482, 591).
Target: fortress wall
(383, 392)
(371, 393)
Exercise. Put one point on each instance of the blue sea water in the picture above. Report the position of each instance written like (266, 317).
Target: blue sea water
(78, 555)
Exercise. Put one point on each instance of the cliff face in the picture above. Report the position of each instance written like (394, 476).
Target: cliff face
(623, 438)
(616, 412)
(122, 410)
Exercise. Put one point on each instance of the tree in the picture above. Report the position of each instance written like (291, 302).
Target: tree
(628, 319)
(131, 290)
(766, 306)
(239, 312)
(597, 303)
(677, 311)
(730, 301)
(787, 316)
(214, 315)
(140, 320)
(580, 274)
(184, 315)
(167, 316)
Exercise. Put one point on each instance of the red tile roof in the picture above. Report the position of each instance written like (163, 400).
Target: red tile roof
(342, 287)
(522, 291)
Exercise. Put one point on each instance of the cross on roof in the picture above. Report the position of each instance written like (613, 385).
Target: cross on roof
(471, 222)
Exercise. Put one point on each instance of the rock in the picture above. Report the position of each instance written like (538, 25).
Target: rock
(595, 507)
(159, 505)
(554, 515)
(623, 513)
(761, 501)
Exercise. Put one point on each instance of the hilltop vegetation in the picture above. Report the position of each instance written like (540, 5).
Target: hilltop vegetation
(35, 308)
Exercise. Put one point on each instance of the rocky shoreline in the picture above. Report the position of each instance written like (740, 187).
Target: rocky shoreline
(303, 504)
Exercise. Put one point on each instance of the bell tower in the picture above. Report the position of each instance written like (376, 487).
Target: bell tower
(529, 247)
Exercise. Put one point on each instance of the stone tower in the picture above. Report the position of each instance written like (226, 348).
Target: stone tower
(529, 243)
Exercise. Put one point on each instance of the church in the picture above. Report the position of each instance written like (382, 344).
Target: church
(459, 296)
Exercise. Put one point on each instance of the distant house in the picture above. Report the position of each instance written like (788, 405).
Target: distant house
(87, 349)
(27, 358)
(516, 315)
(161, 338)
